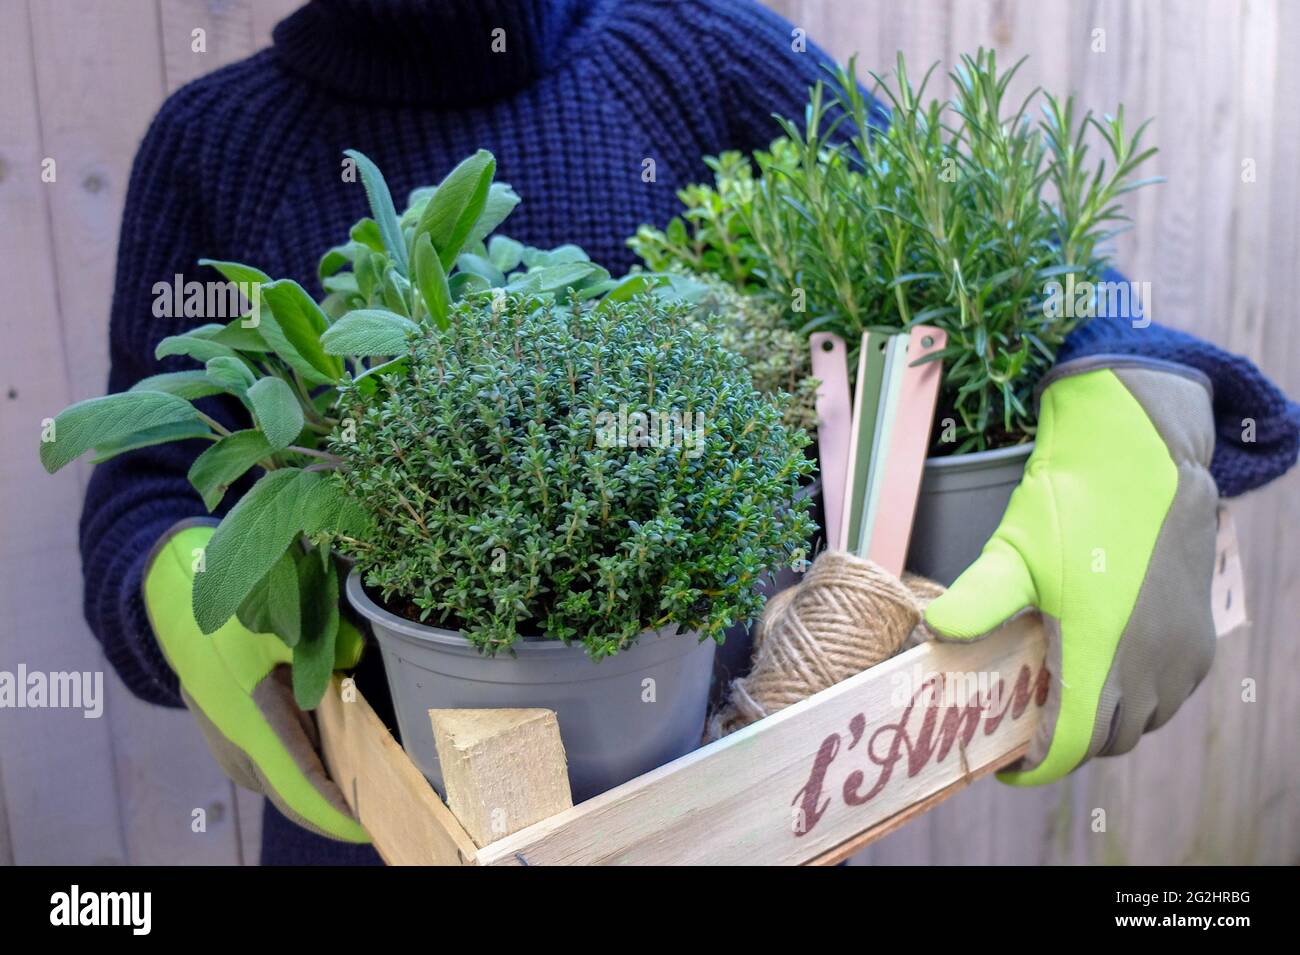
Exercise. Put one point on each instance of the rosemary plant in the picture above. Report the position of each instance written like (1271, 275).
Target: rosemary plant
(959, 214)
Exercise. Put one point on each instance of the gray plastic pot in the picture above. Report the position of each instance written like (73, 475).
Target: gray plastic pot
(962, 500)
(611, 733)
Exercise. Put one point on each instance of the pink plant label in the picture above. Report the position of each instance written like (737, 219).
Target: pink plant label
(834, 423)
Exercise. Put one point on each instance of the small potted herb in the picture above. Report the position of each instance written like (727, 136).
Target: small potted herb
(543, 486)
(964, 214)
(549, 486)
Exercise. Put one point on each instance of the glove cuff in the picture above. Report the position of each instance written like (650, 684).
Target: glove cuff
(166, 538)
(1079, 366)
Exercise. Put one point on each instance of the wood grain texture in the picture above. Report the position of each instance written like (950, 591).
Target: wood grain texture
(800, 783)
(81, 82)
(502, 769)
(391, 799)
(52, 758)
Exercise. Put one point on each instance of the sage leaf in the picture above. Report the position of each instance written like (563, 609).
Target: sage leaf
(560, 255)
(463, 284)
(278, 412)
(255, 612)
(163, 434)
(248, 542)
(431, 280)
(313, 656)
(237, 272)
(284, 599)
(456, 206)
(292, 324)
(550, 280)
(381, 206)
(190, 385)
(242, 337)
(483, 268)
(339, 256)
(344, 283)
(249, 279)
(368, 332)
(366, 234)
(102, 421)
(367, 381)
(225, 462)
(505, 253)
(394, 298)
(230, 375)
(501, 201)
(327, 509)
(196, 343)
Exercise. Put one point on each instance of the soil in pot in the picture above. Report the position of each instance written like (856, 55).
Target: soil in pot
(962, 500)
(619, 717)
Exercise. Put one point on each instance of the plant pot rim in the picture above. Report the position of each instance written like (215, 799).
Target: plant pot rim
(452, 640)
(979, 459)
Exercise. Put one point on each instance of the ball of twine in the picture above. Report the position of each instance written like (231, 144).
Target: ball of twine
(846, 615)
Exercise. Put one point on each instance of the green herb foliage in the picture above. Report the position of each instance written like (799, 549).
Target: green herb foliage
(503, 503)
(959, 215)
(271, 560)
(776, 355)
(300, 367)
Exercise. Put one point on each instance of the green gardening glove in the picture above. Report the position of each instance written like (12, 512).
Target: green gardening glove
(1111, 535)
(236, 683)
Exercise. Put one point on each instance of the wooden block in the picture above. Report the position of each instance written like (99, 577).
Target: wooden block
(503, 769)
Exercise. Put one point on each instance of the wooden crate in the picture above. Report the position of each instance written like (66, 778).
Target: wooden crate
(811, 784)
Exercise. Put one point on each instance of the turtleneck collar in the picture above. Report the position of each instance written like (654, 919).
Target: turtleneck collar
(436, 52)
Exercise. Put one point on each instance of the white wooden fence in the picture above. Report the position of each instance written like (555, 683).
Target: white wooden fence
(1220, 243)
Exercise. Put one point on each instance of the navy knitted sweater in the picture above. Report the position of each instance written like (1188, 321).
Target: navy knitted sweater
(244, 164)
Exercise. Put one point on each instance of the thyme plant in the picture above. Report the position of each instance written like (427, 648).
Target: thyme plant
(582, 472)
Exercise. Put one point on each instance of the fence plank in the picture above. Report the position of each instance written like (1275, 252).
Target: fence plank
(52, 758)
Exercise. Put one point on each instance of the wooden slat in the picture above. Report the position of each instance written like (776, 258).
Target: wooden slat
(52, 758)
(744, 798)
(1271, 819)
(6, 842)
(856, 844)
(395, 803)
(99, 81)
(232, 29)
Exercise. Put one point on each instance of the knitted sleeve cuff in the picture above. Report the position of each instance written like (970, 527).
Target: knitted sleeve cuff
(135, 655)
(1257, 428)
